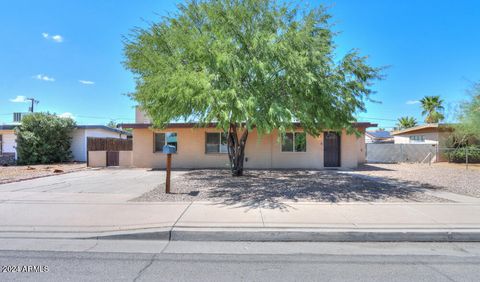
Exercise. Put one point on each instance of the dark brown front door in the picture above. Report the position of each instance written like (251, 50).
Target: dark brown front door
(113, 158)
(331, 149)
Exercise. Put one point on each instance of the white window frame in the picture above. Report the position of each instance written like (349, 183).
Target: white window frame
(417, 138)
(220, 151)
(294, 147)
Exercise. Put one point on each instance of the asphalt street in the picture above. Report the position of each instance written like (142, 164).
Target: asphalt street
(220, 261)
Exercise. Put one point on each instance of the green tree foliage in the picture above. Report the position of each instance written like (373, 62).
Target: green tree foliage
(432, 109)
(406, 122)
(247, 64)
(44, 138)
(112, 124)
(467, 131)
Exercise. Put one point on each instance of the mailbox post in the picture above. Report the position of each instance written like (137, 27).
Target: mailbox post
(169, 150)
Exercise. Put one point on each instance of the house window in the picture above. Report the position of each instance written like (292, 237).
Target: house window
(216, 143)
(169, 138)
(417, 139)
(294, 142)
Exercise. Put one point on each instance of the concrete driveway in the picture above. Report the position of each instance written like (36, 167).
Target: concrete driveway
(92, 185)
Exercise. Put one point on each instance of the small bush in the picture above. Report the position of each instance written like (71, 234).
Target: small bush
(459, 155)
(44, 138)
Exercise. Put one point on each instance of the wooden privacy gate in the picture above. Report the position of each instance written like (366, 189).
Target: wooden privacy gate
(111, 146)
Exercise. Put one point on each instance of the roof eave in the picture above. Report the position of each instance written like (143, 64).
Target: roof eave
(362, 125)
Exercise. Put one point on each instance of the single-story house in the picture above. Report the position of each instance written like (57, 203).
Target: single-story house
(433, 133)
(378, 137)
(82, 132)
(8, 152)
(205, 147)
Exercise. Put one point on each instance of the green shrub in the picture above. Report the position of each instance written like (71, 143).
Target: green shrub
(44, 138)
(458, 155)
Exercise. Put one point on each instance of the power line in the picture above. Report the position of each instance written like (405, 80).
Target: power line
(386, 119)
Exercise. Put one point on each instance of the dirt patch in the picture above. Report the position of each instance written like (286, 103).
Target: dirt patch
(448, 177)
(16, 173)
(269, 188)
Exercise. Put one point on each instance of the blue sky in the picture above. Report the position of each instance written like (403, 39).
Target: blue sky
(68, 54)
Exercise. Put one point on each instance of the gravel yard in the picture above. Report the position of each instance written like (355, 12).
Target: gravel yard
(450, 177)
(269, 188)
(16, 173)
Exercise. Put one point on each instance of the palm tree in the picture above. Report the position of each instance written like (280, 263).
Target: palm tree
(432, 108)
(406, 122)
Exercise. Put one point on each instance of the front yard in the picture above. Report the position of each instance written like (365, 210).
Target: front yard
(369, 183)
(449, 177)
(269, 188)
(17, 173)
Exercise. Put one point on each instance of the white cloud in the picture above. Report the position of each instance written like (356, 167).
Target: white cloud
(44, 77)
(67, 115)
(86, 82)
(57, 38)
(412, 102)
(19, 99)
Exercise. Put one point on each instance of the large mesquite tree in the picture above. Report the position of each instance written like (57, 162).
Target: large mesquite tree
(246, 64)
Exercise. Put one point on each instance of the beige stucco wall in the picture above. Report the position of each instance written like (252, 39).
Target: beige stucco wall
(430, 138)
(361, 148)
(261, 151)
(97, 158)
(125, 158)
(140, 116)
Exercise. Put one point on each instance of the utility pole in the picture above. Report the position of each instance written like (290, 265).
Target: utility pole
(34, 102)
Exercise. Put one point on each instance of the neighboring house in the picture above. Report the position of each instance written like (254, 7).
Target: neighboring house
(8, 152)
(378, 137)
(205, 147)
(82, 132)
(433, 133)
(8, 143)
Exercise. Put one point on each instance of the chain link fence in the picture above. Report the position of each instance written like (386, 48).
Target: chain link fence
(422, 153)
(468, 156)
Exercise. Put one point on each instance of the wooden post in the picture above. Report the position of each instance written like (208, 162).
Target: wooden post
(169, 168)
(466, 156)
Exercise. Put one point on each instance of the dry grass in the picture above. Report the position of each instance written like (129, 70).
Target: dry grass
(17, 173)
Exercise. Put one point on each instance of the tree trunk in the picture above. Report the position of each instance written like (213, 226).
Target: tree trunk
(236, 149)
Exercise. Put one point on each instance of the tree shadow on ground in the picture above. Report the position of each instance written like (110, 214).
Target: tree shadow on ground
(372, 167)
(271, 189)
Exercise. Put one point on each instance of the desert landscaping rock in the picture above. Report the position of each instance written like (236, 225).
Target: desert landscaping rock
(268, 188)
(455, 179)
(16, 173)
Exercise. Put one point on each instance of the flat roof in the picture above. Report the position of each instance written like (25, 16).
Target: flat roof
(213, 125)
(104, 127)
(437, 126)
(379, 134)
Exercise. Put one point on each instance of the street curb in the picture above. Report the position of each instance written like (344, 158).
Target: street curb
(326, 235)
(298, 235)
(266, 235)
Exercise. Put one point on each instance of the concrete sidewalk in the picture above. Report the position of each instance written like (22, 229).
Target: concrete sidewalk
(295, 221)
